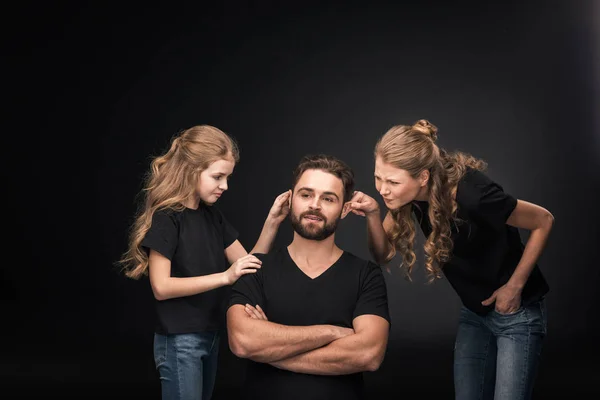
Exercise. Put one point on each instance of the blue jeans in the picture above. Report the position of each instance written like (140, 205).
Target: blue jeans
(187, 364)
(496, 356)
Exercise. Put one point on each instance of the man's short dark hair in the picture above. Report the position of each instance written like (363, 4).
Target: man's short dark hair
(329, 164)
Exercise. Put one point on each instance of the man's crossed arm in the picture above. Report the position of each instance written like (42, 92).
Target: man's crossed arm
(316, 349)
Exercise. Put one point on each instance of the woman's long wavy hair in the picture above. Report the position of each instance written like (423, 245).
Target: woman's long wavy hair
(172, 179)
(412, 148)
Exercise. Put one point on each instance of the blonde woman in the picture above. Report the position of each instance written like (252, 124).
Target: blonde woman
(191, 252)
(471, 229)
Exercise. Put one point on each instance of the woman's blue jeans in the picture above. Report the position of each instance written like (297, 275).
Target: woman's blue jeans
(496, 356)
(187, 364)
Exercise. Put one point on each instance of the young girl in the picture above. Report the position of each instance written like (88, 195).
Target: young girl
(471, 228)
(191, 253)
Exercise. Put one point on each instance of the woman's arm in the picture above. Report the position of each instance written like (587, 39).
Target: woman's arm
(380, 246)
(539, 222)
(379, 243)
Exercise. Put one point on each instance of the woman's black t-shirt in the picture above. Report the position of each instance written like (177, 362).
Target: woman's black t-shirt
(194, 241)
(486, 250)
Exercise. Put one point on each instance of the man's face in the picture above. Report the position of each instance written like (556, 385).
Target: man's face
(317, 202)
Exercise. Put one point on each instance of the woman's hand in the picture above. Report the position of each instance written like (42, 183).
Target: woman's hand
(363, 204)
(507, 298)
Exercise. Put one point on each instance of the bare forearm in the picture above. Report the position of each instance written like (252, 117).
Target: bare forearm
(267, 236)
(531, 253)
(265, 341)
(180, 287)
(343, 356)
(379, 244)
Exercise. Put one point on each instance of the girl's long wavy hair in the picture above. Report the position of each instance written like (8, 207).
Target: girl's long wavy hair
(412, 148)
(171, 181)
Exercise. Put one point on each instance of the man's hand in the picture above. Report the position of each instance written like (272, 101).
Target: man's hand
(255, 312)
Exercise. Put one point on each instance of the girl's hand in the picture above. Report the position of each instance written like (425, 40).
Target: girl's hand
(248, 264)
(280, 208)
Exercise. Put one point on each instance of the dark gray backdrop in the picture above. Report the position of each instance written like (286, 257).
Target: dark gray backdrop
(92, 91)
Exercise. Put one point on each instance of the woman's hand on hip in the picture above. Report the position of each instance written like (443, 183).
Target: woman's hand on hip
(507, 299)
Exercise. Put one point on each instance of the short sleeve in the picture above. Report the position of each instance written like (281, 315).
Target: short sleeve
(230, 234)
(493, 206)
(163, 234)
(248, 289)
(373, 294)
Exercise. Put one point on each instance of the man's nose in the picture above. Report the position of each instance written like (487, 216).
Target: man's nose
(315, 203)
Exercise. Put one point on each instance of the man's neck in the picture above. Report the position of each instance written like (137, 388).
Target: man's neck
(314, 253)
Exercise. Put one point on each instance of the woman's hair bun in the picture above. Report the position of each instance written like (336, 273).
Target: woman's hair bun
(426, 128)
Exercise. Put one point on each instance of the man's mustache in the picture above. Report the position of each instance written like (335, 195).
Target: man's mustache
(314, 214)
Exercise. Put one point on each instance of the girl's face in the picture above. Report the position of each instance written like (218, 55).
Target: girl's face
(397, 187)
(212, 182)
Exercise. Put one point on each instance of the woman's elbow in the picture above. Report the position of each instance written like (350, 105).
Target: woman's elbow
(547, 220)
(381, 258)
(550, 219)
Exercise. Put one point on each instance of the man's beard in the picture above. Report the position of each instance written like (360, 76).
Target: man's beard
(314, 232)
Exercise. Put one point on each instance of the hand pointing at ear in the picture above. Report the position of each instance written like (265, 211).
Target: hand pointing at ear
(363, 204)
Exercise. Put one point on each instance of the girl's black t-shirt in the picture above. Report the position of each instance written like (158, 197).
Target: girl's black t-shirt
(486, 250)
(195, 242)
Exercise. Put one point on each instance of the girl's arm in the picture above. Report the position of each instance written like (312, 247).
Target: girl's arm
(164, 286)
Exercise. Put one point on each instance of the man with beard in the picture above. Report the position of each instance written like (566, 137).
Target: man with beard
(313, 317)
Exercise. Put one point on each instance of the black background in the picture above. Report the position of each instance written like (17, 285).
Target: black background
(92, 90)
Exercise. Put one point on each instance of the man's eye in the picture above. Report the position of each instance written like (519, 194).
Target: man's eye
(329, 199)
(394, 183)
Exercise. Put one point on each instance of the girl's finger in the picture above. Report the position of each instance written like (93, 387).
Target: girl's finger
(250, 264)
(248, 271)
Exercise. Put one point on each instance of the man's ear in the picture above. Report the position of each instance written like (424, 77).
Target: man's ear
(346, 209)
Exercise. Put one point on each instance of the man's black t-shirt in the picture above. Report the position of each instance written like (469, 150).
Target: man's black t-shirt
(486, 250)
(349, 288)
(194, 241)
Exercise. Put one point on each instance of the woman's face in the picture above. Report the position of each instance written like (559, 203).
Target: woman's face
(213, 180)
(396, 186)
